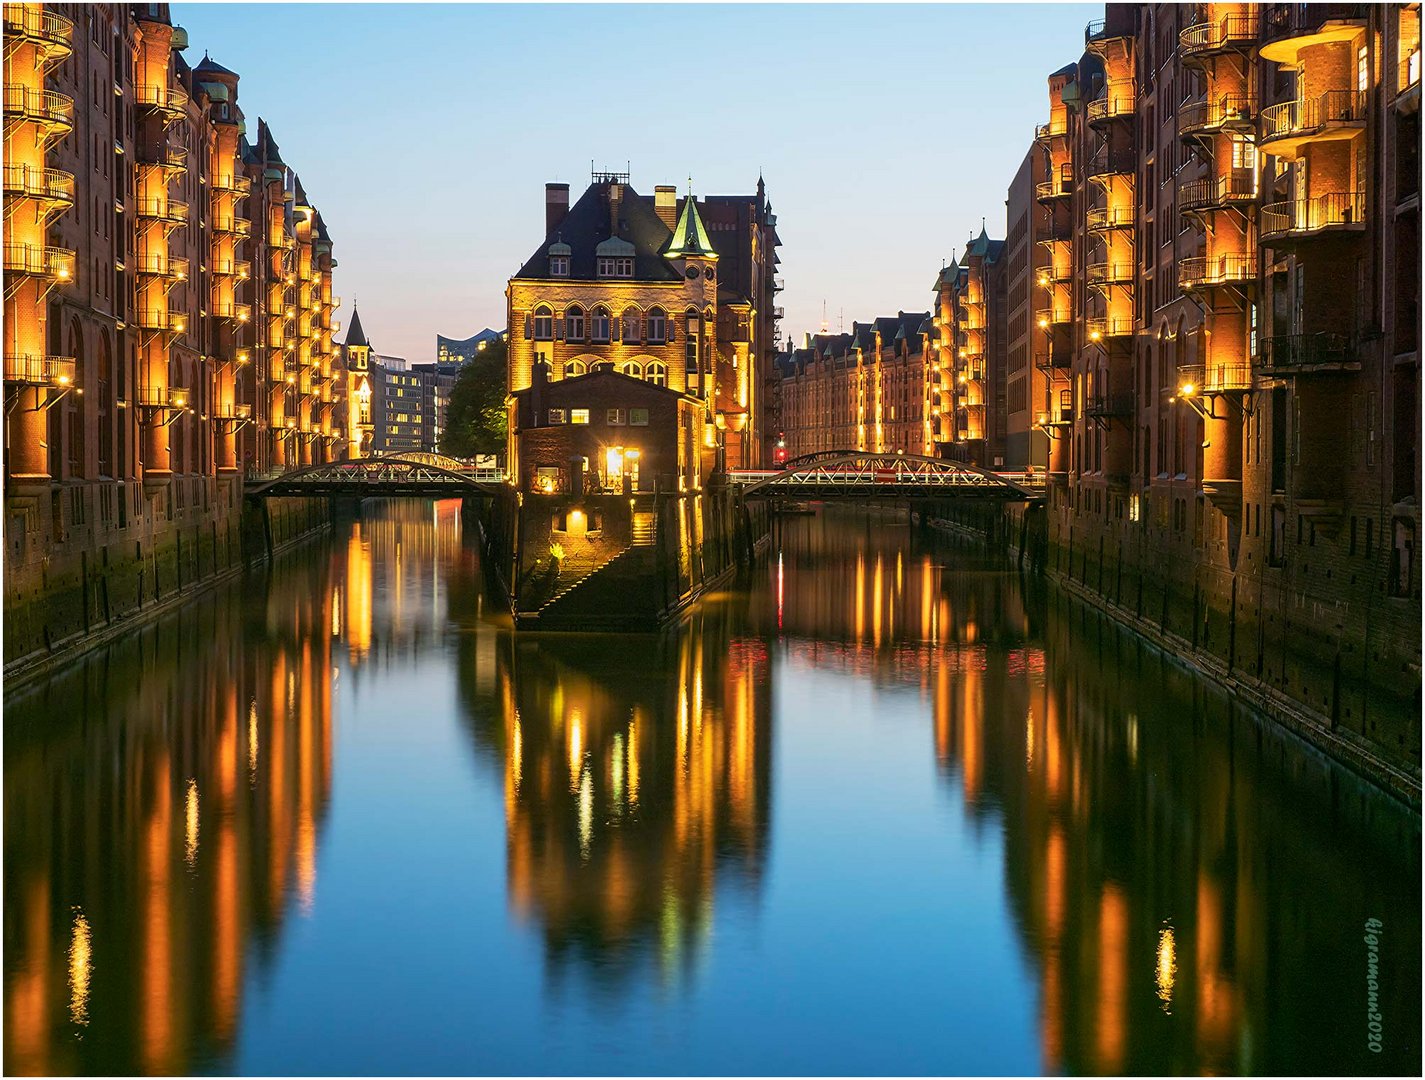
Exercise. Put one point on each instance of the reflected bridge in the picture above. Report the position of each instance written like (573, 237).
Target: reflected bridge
(852, 474)
(419, 475)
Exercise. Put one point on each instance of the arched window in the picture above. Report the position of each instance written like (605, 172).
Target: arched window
(574, 367)
(657, 326)
(543, 324)
(601, 325)
(632, 326)
(632, 368)
(656, 373)
(574, 324)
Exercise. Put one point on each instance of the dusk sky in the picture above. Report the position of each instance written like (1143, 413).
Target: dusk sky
(425, 134)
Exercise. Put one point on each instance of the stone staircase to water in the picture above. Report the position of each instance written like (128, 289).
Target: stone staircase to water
(618, 594)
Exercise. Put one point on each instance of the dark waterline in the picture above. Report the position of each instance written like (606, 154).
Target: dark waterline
(877, 810)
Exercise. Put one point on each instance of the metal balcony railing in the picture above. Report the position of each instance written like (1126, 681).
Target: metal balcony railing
(1052, 129)
(236, 184)
(1112, 326)
(161, 319)
(1408, 75)
(171, 100)
(226, 309)
(1287, 352)
(1209, 271)
(1056, 187)
(34, 370)
(1108, 163)
(1106, 108)
(1110, 273)
(1235, 31)
(162, 397)
(1282, 22)
(231, 223)
(1336, 211)
(1196, 379)
(1230, 112)
(1304, 118)
(46, 28)
(1110, 217)
(233, 411)
(1215, 192)
(164, 156)
(1045, 318)
(47, 107)
(1106, 406)
(167, 266)
(172, 211)
(36, 260)
(28, 181)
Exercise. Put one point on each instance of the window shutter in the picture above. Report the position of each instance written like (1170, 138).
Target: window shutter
(559, 328)
(615, 325)
(528, 326)
(669, 331)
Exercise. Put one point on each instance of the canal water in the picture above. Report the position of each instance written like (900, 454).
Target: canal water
(878, 809)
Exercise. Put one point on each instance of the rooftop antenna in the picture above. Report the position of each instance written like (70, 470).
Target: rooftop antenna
(823, 316)
(841, 321)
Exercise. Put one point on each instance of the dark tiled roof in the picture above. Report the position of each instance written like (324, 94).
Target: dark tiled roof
(586, 225)
(207, 65)
(354, 334)
(574, 382)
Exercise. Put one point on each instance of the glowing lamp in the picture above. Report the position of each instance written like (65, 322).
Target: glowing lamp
(1043, 324)
(1095, 335)
(64, 380)
(1187, 389)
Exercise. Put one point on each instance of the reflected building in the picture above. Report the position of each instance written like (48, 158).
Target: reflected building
(1188, 907)
(637, 786)
(157, 840)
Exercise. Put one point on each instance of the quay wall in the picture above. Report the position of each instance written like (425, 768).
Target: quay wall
(108, 571)
(1317, 643)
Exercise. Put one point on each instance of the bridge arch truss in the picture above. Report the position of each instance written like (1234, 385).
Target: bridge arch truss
(414, 474)
(861, 474)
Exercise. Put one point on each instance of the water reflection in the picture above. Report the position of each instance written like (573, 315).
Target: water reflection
(162, 802)
(637, 776)
(1165, 885)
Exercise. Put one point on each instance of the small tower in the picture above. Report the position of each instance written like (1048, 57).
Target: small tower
(691, 252)
(361, 429)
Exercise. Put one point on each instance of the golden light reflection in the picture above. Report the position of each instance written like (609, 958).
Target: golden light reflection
(1167, 967)
(252, 743)
(1113, 978)
(80, 960)
(190, 825)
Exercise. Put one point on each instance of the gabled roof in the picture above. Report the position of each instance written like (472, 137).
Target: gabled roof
(354, 334)
(690, 237)
(586, 225)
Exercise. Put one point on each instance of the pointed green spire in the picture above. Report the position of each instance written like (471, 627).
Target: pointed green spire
(690, 237)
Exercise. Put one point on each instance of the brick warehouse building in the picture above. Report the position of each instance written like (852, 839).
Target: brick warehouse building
(167, 313)
(662, 289)
(1223, 264)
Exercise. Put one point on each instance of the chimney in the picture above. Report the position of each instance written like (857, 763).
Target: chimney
(615, 199)
(665, 204)
(556, 205)
(538, 386)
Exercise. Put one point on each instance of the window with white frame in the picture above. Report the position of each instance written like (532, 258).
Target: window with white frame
(574, 324)
(616, 417)
(657, 327)
(543, 324)
(632, 368)
(601, 326)
(578, 416)
(556, 416)
(656, 373)
(559, 266)
(632, 326)
(615, 266)
(638, 417)
(573, 368)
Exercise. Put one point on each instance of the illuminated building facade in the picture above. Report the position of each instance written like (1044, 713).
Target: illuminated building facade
(167, 314)
(876, 388)
(969, 298)
(461, 350)
(665, 290)
(1227, 327)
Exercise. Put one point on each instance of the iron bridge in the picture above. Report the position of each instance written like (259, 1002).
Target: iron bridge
(414, 474)
(858, 474)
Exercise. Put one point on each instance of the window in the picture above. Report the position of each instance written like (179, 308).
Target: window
(656, 373)
(543, 324)
(638, 417)
(690, 353)
(1362, 68)
(573, 368)
(601, 325)
(620, 267)
(657, 327)
(632, 325)
(616, 417)
(578, 416)
(574, 324)
(556, 416)
(632, 369)
(559, 266)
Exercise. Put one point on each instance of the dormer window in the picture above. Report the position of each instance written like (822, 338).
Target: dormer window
(559, 266)
(613, 258)
(620, 267)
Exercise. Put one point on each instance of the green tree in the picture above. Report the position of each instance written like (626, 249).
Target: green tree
(475, 418)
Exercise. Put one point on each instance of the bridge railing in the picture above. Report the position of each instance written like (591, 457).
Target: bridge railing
(887, 475)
